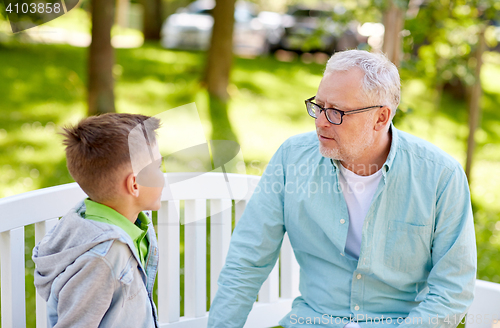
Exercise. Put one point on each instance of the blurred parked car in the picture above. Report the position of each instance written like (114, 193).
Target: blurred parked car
(312, 30)
(308, 30)
(191, 28)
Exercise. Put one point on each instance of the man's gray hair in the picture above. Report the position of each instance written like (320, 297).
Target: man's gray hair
(381, 84)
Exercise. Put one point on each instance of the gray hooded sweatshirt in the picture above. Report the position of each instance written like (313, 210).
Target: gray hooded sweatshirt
(90, 275)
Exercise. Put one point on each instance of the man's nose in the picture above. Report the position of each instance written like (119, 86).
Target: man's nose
(321, 121)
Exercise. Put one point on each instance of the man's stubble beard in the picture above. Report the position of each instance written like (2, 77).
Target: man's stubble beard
(349, 151)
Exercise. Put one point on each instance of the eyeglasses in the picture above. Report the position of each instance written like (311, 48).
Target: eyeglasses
(333, 115)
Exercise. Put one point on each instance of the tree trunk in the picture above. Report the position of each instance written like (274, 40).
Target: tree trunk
(101, 59)
(475, 104)
(152, 19)
(219, 63)
(393, 20)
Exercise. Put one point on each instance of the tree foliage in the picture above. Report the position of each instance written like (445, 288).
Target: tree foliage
(442, 36)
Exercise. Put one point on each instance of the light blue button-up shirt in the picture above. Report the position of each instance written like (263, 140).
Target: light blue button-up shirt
(417, 264)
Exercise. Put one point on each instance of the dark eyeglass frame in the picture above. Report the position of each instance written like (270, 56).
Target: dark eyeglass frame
(311, 113)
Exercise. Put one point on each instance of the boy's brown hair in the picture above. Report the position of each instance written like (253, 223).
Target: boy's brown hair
(97, 151)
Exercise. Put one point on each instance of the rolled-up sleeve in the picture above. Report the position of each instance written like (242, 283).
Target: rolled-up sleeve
(253, 251)
(451, 280)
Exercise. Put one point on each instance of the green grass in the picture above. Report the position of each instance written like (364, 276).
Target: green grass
(44, 87)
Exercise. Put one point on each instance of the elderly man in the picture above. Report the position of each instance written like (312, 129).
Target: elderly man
(380, 221)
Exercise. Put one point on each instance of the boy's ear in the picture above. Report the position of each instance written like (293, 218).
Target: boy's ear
(131, 185)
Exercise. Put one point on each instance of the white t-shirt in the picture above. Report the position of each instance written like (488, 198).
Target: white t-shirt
(352, 324)
(358, 192)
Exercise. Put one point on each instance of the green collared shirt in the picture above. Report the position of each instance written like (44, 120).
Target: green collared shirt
(137, 232)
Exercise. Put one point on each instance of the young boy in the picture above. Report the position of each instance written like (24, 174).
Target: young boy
(97, 267)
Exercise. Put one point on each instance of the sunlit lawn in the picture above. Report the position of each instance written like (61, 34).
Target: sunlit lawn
(43, 87)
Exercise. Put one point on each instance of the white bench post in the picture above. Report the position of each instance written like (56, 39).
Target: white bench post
(239, 209)
(168, 267)
(12, 266)
(290, 271)
(41, 228)
(269, 292)
(195, 274)
(220, 236)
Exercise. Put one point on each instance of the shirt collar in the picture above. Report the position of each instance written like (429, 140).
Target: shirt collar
(394, 147)
(115, 218)
(390, 158)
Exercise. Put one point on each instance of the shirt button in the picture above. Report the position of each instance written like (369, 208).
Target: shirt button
(356, 308)
(342, 221)
(342, 254)
(358, 276)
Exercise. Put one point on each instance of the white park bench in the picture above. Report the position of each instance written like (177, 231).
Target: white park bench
(43, 208)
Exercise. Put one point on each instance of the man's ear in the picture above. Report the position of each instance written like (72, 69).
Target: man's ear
(131, 185)
(383, 118)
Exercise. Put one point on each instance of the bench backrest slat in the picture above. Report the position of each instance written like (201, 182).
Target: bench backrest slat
(41, 228)
(38, 205)
(192, 186)
(195, 252)
(269, 292)
(169, 264)
(12, 267)
(220, 236)
(290, 270)
(239, 207)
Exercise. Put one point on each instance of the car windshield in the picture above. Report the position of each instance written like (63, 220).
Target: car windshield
(241, 15)
(311, 13)
(204, 12)
(243, 11)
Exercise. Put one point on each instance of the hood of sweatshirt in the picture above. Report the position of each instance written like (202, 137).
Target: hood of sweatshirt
(70, 238)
